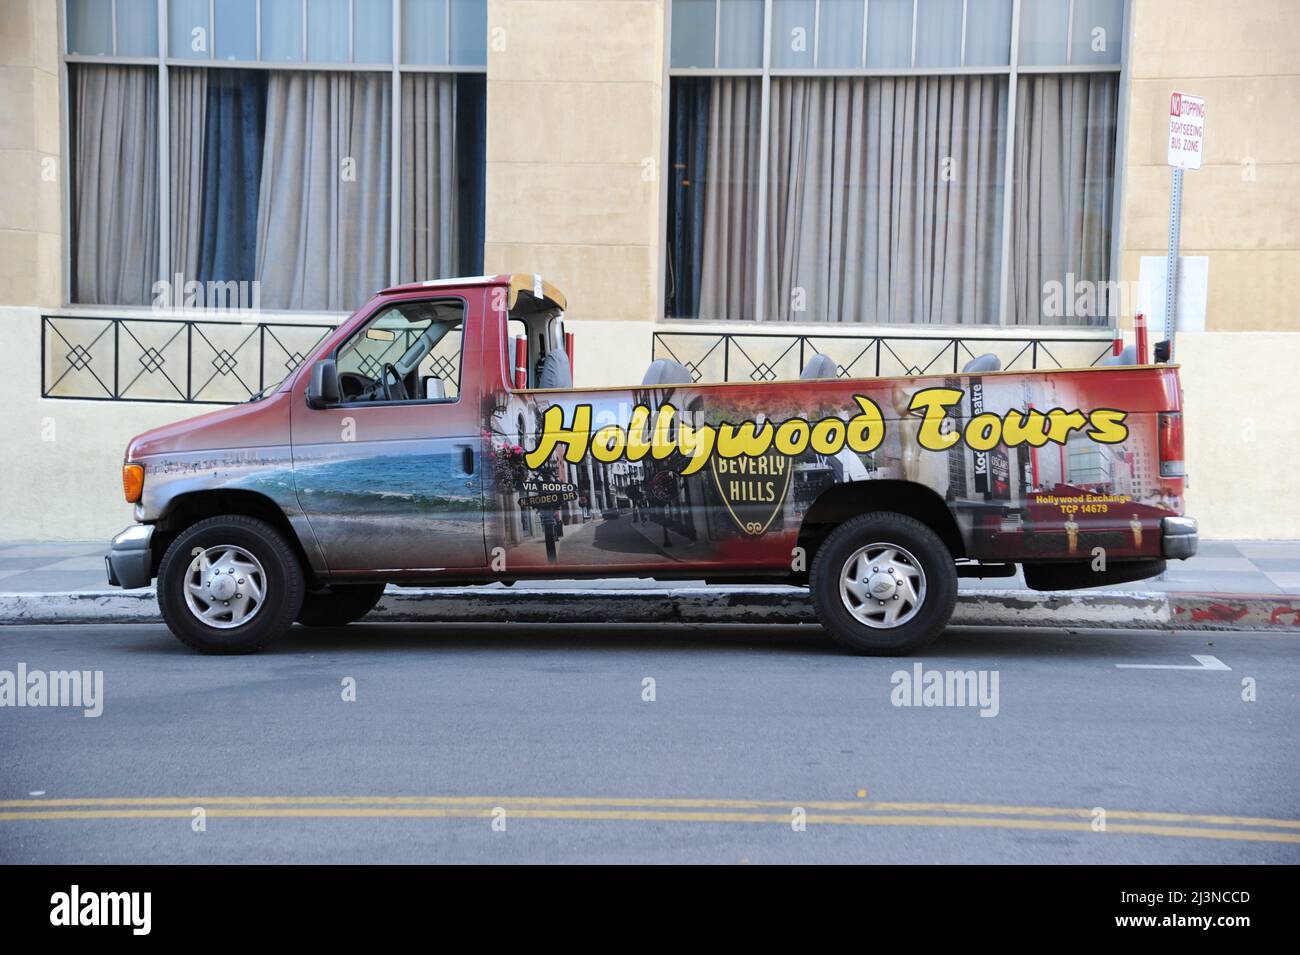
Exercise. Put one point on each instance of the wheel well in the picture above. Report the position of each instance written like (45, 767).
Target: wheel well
(188, 509)
(842, 502)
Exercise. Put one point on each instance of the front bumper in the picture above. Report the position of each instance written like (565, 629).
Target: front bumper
(130, 560)
(1178, 537)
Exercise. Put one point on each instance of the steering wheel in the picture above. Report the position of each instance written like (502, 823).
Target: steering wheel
(397, 390)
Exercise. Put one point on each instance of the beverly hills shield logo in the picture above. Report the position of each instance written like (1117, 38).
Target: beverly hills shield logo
(752, 489)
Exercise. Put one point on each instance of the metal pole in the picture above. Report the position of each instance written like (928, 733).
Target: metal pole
(1171, 263)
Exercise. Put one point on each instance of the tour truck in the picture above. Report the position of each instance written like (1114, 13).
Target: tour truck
(435, 438)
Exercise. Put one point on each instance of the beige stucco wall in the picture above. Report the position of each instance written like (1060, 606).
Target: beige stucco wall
(30, 212)
(1242, 208)
(1240, 395)
(574, 91)
(1242, 211)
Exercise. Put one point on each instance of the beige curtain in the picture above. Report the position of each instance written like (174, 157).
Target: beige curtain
(728, 267)
(884, 199)
(115, 176)
(429, 220)
(1063, 208)
(323, 210)
(188, 103)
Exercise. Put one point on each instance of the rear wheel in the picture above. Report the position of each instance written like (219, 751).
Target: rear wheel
(884, 584)
(229, 584)
(339, 605)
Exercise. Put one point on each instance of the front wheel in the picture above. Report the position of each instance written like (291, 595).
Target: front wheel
(884, 584)
(229, 584)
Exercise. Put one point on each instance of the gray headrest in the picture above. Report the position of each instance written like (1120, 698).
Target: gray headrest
(1129, 356)
(820, 366)
(665, 371)
(983, 363)
(555, 371)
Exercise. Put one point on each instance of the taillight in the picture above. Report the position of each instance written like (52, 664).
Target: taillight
(133, 482)
(1171, 444)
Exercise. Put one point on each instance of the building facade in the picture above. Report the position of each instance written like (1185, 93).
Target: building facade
(198, 189)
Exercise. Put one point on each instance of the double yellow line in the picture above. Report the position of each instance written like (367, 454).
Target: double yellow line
(858, 812)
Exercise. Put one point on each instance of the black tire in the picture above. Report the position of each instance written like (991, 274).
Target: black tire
(936, 592)
(282, 585)
(339, 605)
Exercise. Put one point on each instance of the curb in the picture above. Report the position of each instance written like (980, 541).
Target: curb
(1126, 610)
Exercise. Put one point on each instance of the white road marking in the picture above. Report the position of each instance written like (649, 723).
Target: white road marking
(1203, 662)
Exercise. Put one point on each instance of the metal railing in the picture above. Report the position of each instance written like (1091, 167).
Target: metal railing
(199, 361)
(773, 356)
(168, 360)
(225, 362)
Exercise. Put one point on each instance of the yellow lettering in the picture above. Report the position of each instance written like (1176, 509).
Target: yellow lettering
(696, 445)
(1108, 426)
(1020, 428)
(792, 436)
(661, 444)
(1062, 422)
(637, 448)
(935, 401)
(555, 433)
(745, 439)
(608, 444)
(828, 436)
(984, 432)
(866, 429)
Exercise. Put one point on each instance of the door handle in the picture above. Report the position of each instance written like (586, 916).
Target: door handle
(467, 459)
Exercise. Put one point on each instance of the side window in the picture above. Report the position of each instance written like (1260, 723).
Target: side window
(443, 362)
(368, 350)
(420, 345)
(517, 329)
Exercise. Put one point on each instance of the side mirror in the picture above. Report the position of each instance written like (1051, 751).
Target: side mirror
(323, 388)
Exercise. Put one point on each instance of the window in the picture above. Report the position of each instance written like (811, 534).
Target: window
(306, 166)
(408, 352)
(891, 161)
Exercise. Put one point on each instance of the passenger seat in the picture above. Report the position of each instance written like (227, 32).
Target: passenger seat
(1129, 356)
(982, 363)
(665, 371)
(819, 367)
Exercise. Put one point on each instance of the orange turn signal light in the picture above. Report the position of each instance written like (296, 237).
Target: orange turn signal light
(133, 482)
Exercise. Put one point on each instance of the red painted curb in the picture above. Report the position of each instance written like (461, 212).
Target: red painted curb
(1208, 611)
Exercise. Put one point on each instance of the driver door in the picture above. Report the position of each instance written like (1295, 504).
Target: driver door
(393, 483)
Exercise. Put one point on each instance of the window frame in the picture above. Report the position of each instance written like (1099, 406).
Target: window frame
(165, 63)
(379, 313)
(1012, 70)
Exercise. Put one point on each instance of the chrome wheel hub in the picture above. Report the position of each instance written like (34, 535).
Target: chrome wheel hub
(225, 586)
(882, 585)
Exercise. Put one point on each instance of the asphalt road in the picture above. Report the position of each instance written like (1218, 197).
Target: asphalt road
(547, 731)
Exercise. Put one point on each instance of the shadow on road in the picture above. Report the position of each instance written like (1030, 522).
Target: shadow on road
(964, 646)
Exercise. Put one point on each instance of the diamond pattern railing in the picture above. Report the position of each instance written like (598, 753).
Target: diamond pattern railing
(773, 356)
(172, 360)
(199, 362)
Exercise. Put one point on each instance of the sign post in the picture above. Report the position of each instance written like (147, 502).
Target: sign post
(1186, 145)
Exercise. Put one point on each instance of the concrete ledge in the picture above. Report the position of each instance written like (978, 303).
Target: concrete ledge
(721, 605)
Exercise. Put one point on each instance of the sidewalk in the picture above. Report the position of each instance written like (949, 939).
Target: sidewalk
(1227, 585)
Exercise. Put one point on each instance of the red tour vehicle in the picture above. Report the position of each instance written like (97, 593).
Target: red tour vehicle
(435, 437)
